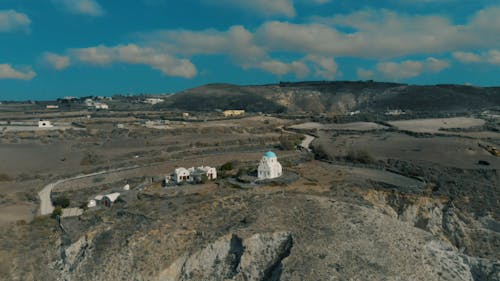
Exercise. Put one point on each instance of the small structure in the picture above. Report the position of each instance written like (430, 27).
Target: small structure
(109, 199)
(92, 203)
(197, 174)
(96, 105)
(100, 105)
(51, 106)
(180, 175)
(44, 124)
(269, 167)
(395, 112)
(126, 187)
(153, 101)
(192, 174)
(232, 113)
(185, 114)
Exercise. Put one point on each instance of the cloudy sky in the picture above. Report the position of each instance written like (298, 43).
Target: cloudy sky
(54, 48)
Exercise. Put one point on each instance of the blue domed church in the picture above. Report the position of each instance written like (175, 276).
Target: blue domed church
(269, 167)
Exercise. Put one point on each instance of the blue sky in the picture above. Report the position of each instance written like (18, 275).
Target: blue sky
(55, 48)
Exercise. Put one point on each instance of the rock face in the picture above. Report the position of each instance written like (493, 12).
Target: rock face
(231, 258)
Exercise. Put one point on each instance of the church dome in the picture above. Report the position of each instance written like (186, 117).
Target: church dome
(270, 154)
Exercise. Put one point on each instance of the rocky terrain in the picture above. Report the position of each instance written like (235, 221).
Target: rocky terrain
(336, 98)
(374, 197)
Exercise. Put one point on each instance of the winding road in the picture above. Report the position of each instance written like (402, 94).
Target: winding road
(46, 206)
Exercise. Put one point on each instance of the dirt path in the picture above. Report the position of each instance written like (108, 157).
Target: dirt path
(306, 143)
(46, 206)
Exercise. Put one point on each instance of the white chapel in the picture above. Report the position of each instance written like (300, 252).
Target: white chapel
(269, 167)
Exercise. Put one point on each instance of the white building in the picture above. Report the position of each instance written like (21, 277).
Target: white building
(395, 112)
(109, 199)
(44, 124)
(92, 203)
(97, 105)
(192, 174)
(180, 175)
(197, 173)
(153, 101)
(51, 106)
(100, 105)
(269, 167)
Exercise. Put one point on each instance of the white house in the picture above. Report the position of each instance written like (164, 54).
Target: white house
(92, 203)
(100, 105)
(44, 124)
(197, 173)
(153, 101)
(192, 174)
(109, 199)
(269, 167)
(180, 175)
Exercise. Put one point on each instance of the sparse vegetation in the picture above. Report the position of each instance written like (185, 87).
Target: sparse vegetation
(62, 202)
(5, 177)
(57, 212)
(359, 156)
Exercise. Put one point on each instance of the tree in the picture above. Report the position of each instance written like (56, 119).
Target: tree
(62, 202)
(57, 212)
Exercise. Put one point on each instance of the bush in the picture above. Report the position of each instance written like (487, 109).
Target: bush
(4, 177)
(359, 156)
(62, 202)
(227, 166)
(290, 142)
(57, 212)
(98, 179)
(321, 153)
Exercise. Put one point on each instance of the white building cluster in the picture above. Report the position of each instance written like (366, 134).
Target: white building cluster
(191, 175)
(153, 101)
(104, 200)
(95, 104)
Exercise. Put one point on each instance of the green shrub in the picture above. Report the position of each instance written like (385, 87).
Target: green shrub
(57, 212)
(360, 156)
(5, 177)
(227, 166)
(62, 202)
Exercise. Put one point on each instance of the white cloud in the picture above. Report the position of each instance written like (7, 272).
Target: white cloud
(383, 34)
(435, 65)
(132, 54)
(490, 57)
(325, 67)
(365, 74)
(279, 68)
(11, 20)
(467, 57)
(397, 71)
(409, 68)
(56, 61)
(263, 7)
(83, 7)
(9, 72)
(236, 42)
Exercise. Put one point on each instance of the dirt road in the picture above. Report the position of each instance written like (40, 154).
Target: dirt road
(46, 206)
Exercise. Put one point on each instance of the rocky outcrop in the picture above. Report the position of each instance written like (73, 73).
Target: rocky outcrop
(231, 258)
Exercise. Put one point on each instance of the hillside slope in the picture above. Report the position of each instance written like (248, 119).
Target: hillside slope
(337, 97)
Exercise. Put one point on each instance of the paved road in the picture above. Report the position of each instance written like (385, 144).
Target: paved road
(46, 206)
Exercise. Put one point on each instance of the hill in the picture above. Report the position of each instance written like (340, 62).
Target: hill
(337, 97)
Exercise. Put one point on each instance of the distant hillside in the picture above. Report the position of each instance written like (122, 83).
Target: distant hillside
(335, 97)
